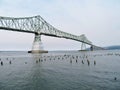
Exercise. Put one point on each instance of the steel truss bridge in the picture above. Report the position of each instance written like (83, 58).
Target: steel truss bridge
(38, 26)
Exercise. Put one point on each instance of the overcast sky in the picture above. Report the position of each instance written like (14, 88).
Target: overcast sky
(99, 20)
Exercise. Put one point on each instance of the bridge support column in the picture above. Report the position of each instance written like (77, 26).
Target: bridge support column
(91, 48)
(37, 45)
(83, 46)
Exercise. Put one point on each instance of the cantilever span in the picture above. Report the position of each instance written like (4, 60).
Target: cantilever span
(38, 26)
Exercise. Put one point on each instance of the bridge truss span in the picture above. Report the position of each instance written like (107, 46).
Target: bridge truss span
(37, 25)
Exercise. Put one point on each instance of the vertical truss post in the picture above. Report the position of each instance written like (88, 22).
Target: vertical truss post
(83, 46)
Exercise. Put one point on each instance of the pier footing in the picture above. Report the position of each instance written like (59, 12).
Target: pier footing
(38, 51)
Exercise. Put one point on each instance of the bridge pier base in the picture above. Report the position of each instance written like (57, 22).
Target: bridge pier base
(37, 45)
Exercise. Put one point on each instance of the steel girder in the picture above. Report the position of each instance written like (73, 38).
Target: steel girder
(37, 25)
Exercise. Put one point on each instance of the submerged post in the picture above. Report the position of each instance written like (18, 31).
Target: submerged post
(37, 45)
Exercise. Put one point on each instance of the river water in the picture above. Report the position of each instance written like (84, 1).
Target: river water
(65, 70)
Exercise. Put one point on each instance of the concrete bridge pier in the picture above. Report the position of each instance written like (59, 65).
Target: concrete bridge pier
(83, 46)
(37, 45)
(91, 48)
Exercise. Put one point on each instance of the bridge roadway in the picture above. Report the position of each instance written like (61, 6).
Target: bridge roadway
(38, 26)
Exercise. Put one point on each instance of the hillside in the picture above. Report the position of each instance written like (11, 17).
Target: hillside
(113, 47)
